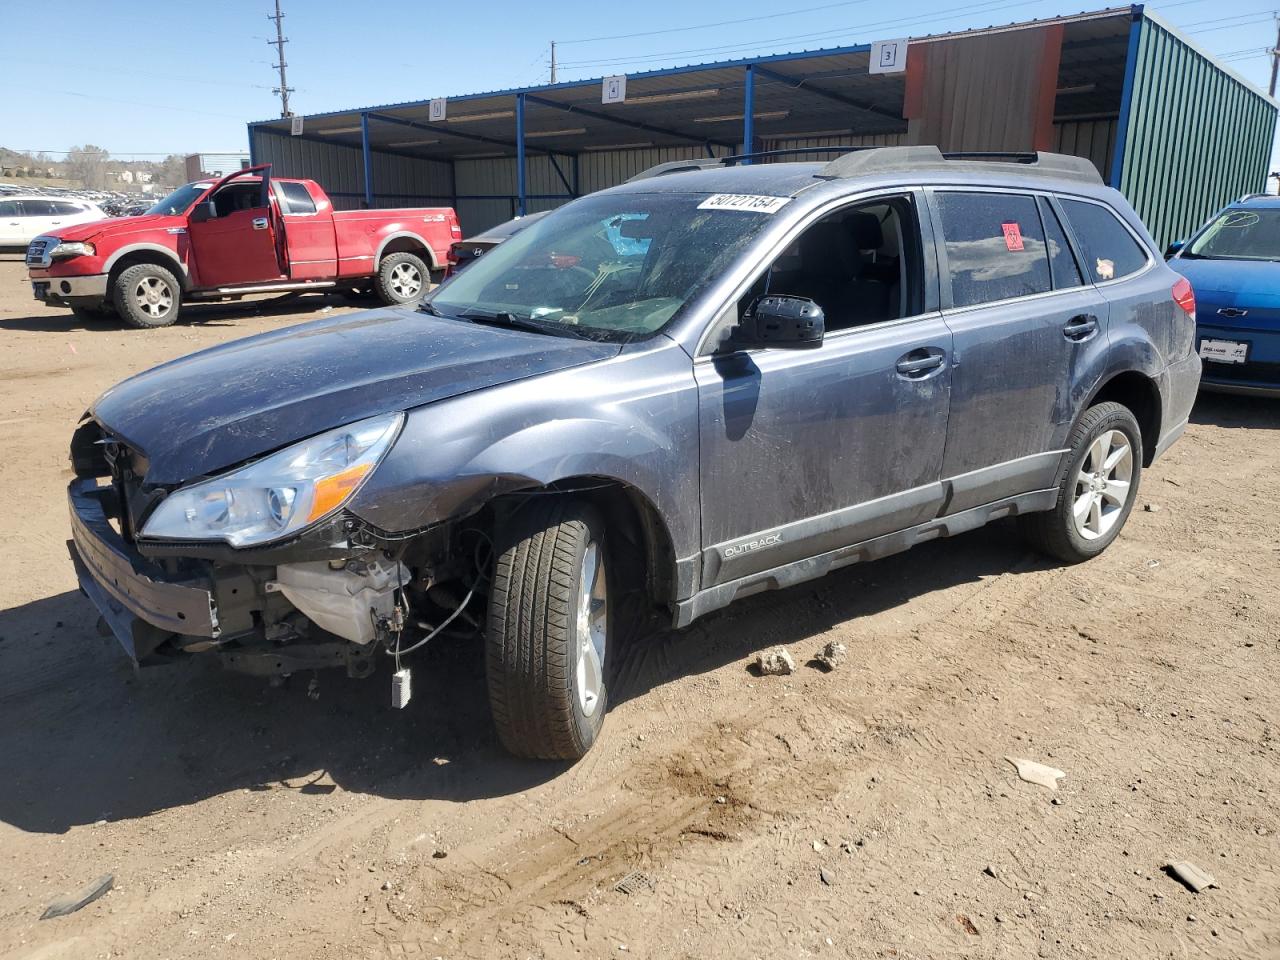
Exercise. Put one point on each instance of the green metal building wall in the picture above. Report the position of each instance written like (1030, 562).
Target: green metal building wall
(1193, 136)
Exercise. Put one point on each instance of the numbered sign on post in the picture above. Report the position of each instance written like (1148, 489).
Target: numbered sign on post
(436, 110)
(889, 56)
(613, 90)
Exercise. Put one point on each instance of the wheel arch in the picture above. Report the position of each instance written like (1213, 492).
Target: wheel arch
(648, 552)
(1141, 395)
(150, 253)
(406, 242)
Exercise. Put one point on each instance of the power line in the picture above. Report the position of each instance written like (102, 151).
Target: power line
(718, 23)
(819, 35)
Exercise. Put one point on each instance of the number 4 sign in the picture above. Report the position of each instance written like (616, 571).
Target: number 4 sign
(613, 90)
(889, 56)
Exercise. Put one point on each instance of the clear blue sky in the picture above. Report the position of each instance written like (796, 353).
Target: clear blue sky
(185, 75)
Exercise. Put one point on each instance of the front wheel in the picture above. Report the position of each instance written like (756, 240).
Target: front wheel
(402, 278)
(547, 637)
(147, 296)
(1097, 488)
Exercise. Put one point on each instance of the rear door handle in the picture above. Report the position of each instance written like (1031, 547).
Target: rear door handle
(260, 223)
(1080, 327)
(920, 363)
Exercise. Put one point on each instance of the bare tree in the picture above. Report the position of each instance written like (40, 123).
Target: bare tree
(88, 164)
(171, 171)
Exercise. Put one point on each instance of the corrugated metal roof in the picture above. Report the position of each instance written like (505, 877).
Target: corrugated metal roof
(797, 94)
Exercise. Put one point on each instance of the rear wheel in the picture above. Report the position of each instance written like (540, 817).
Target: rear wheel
(147, 295)
(1097, 488)
(548, 629)
(402, 278)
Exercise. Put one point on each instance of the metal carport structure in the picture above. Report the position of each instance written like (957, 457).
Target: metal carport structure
(1121, 88)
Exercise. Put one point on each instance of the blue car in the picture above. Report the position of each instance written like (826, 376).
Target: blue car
(1233, 264)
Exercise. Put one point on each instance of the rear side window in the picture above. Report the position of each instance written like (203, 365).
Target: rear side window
(38, 208)
(1062, 262)
(9, 208)
(995, 246)
(297, 197)
(1110, 251)
(64, 209)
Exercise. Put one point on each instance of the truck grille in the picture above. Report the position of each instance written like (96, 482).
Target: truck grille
(37, 252)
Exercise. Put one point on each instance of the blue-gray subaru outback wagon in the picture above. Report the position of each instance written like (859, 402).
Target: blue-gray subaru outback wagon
(715, 379)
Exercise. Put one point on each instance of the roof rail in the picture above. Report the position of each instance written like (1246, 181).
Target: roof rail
(1254, 196)
(681, 166)
(892, 159)
(867, 161)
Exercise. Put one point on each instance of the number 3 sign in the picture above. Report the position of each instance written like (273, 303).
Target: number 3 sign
(613, 90)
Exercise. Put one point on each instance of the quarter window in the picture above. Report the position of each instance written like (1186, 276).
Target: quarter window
(1110, 251)
(995, 246)
(297, 197)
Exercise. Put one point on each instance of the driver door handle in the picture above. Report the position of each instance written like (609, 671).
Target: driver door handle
(919, 363)
(260, 223)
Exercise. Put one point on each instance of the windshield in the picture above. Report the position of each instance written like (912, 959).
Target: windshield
(607, 267)
(1240, 235)
(178, 201)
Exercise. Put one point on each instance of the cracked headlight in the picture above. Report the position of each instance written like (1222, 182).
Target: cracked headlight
(280, 494)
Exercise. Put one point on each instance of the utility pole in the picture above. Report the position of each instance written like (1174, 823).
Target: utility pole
(284, 89)
(553, 64)
(1275, 57)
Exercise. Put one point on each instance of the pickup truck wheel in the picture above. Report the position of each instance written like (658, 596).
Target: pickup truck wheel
(548, 628)
(1096, 489)
(147, 295)
(402, 278)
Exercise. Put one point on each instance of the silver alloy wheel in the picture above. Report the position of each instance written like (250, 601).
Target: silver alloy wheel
(405, 280)
(591, 634)
(1103, 484)
(153, 296)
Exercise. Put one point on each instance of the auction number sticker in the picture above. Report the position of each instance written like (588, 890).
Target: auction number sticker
(1012, 236)
(743, 201)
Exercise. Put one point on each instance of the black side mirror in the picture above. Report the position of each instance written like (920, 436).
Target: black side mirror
(204, 211)
(1174, 249)
(782, 321)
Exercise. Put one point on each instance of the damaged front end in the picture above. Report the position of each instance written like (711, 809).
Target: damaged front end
(337, 593)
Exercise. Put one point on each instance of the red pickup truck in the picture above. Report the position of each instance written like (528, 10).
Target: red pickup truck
(247, 233)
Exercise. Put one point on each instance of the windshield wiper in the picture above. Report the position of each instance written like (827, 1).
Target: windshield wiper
(426, 306)
(503, 318)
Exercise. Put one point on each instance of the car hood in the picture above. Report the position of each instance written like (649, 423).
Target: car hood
(119, 226)
(1228, 281)
(201, 414)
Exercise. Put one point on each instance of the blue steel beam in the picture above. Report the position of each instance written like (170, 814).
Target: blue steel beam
(368, 165)
(800, 83)
(634, 124)
(520, 171)
(749, 112)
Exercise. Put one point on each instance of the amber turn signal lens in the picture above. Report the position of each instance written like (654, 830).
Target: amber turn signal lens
(332, 491)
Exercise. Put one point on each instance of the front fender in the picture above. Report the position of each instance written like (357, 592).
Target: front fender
(630, 419)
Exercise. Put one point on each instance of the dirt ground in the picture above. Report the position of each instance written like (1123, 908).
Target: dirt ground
(868, 812)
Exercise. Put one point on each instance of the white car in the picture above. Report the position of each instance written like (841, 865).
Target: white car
(23, 218)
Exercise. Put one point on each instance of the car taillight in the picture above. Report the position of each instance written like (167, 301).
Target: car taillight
(453, 254)
(1185, 296)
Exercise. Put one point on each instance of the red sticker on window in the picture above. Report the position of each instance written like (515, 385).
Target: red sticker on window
(1012, 236)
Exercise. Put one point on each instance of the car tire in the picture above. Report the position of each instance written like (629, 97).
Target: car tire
(1097, 487)
(402, 278)
(147, 296)
(546, 638)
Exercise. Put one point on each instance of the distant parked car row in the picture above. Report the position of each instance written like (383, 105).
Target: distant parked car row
(1233, 263)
